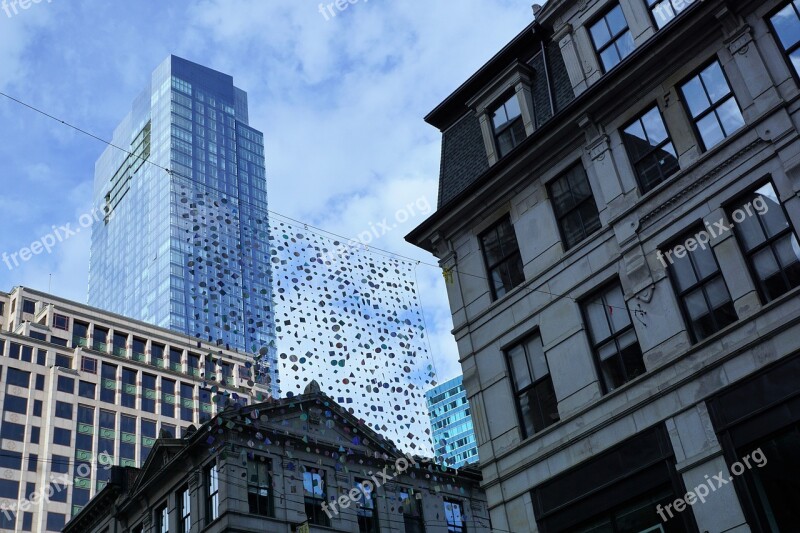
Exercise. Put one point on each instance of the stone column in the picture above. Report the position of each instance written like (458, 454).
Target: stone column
(699, 456)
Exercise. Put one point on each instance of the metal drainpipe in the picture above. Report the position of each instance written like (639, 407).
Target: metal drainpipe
(547, 79)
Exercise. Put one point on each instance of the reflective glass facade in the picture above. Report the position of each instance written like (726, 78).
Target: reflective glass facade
(451, 421)
(187, 249)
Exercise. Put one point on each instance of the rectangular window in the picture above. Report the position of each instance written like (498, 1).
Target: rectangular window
(127, 445)
(162, 518)
(33, 462)
(100, 339)
(315, 495)
(80, 332)
(664, 11)
(63, 410)
(507, 124)
(120, 348)
(11, 460)
(167, 398)
(454, 515)
(62, 436)
(212, 493)
(712, 105)
(614, 342)
(15, 404)
(18, 378)
(87, 390)
(157, 354)
(786, 27)
(702, 292)
(411, 507)
(39, 382)
(107, 436)
(366, 509)
(60, 464)
(194, 364)
(58, 341)
(148, 437)
(612, 39)
(537, 405)
(187, 402)
(138, 348)
(108, 383)
(63, 361)
(37, 407)
(55, 521)
(502, 257)
(28, 306)
(650, 149)
(259, 494)
(88, 364)
(65, 384)
(148, 393)
(128, 388)
(768, 241)
(175, 359)
(184, 510)
(60, 322)
(574, 206)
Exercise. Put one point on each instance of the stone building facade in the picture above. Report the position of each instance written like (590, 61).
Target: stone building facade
(296, 464)
(618, 213)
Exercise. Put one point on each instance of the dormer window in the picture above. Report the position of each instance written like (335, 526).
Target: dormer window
(508, 126)
(505, 110)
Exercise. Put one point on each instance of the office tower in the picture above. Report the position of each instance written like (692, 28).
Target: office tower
(82, 389)
(187, 248)
(620, 204)
(451, 424)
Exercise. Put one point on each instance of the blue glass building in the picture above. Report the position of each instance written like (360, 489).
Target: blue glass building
(451, 423)
(188, 248)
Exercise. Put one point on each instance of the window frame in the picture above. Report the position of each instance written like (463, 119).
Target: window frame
(712, 108)
(653, 149)
(601, 18)
(594, 344)
(699, 284)
(523, 343)
(561, 216)
(162, 518)
(501, 103)
(184, 504)
(490, 268)
(772, 30)
(314, 500)
(455, 528)
(269, 512)
(735, 204)
(212, 492)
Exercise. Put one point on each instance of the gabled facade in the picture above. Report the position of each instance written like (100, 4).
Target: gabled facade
(625, 265)
(284, 465)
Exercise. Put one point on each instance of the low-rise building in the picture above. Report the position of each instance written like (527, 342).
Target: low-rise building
(295, 464)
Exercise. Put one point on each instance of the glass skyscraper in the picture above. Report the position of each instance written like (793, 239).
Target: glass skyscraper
(185, 244)
(451, 422)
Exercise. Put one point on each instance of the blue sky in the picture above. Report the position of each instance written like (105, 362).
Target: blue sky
(340, 102)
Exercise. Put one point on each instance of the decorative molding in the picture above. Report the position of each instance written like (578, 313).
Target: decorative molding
(740, 43)
(700, 181)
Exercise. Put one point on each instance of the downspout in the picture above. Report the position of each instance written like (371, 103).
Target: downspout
(547, 78)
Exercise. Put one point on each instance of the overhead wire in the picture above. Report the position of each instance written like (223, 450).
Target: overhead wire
(291, 221)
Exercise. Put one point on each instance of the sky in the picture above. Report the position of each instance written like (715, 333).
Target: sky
(340, 98)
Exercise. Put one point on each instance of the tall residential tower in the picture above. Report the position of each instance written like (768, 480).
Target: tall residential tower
(451, 424)
(186, 243)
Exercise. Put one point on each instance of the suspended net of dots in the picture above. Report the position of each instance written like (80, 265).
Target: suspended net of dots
(344, 316)
(349, 319)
